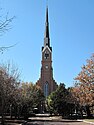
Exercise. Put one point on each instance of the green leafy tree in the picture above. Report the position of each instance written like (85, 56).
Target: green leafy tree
(60, 101)
(30, 97)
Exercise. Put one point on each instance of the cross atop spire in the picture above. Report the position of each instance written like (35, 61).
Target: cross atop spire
(46, 2)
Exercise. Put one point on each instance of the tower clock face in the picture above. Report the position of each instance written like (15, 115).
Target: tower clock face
(46, 66)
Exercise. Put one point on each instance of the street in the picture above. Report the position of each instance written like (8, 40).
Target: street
(57, 123)
(47, 120)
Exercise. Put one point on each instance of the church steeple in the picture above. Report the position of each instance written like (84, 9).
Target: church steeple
(46, 35)
(46, 25)
(46, 80)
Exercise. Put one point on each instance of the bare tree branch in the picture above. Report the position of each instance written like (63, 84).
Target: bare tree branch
(4, 48)
(4, 27)
(5, 24)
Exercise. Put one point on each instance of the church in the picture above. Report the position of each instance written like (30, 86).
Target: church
(46, 80)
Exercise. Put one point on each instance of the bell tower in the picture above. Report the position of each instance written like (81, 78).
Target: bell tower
(46, 81)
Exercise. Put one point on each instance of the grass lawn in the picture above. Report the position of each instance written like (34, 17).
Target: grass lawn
(89, 120)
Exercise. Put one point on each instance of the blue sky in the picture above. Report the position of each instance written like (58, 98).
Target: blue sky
(71, 35)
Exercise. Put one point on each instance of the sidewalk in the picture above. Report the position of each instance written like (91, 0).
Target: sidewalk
(58, 119)
(51, 118)
(92, 123)
(13, 122)
(46, 118)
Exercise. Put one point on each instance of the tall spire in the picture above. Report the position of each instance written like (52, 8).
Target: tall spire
(47, 22)
(46, 35)
(47, 16)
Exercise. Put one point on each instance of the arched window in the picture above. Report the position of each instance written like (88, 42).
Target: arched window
(46, 89)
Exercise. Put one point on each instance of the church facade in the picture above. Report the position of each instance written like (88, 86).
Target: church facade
(46, 80)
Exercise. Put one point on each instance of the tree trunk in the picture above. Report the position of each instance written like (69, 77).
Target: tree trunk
(15, 110)
(2, 119)
(88, 111)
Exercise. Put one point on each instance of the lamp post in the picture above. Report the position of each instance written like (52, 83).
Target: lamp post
(10, 110)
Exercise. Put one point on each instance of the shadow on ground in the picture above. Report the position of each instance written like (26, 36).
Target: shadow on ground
(38, 121)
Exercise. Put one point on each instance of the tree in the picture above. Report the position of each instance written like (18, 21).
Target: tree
(30, 98)
(84, 87)
(8, 85)
(60, 101)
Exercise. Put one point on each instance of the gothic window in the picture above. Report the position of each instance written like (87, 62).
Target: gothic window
(46, 89)
(46, 55)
